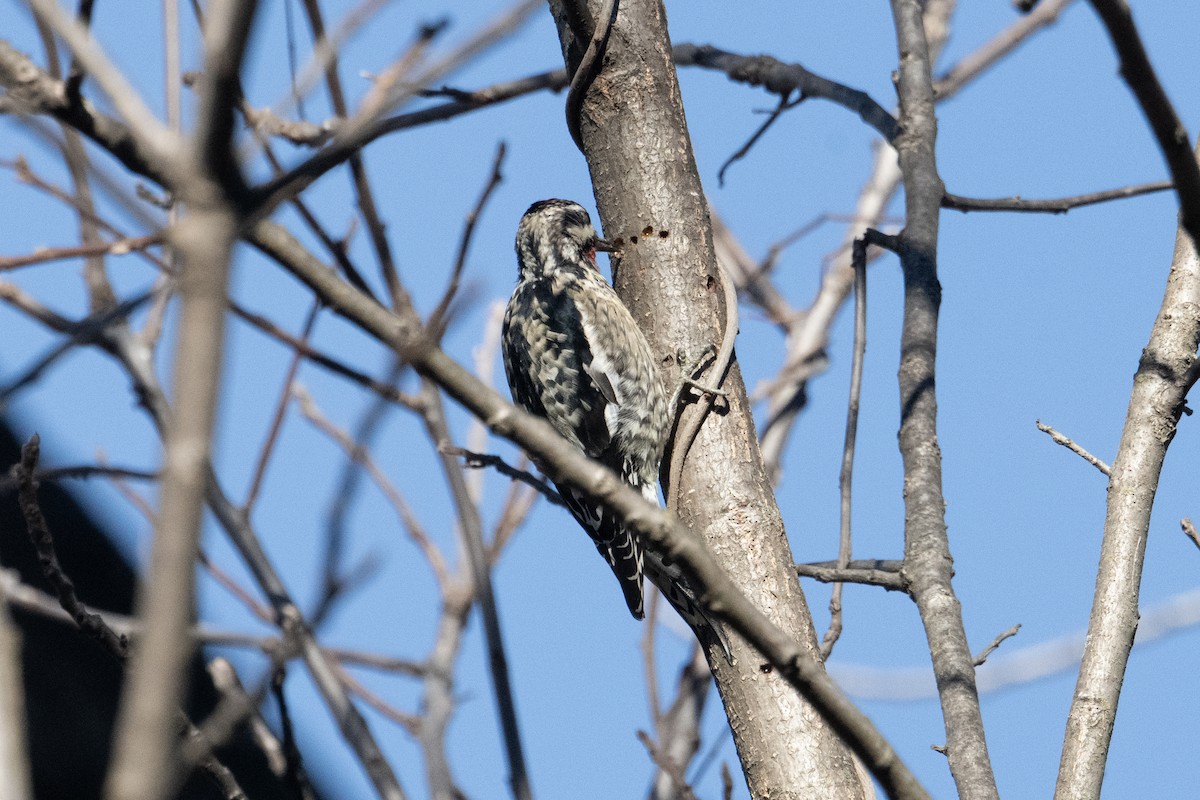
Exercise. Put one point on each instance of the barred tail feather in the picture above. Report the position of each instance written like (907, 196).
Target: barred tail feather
(619, 546)
(671, 583)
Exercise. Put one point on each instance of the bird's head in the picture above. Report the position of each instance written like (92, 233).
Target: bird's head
(555, 234)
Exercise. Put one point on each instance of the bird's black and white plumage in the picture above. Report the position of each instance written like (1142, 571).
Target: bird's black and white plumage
(574, 356)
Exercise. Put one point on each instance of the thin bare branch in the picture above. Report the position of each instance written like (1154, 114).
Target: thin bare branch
(39, 533)
(846, 476)
(1020, 667)
(27, 598)
(471, 530)
(983, 58)
(1074, 448)
(678, 729)
(1156, 403)
(362, 186)
(281, 406)
(1168, 129)
(982, 657)
(360, 455)
(383, 390)
(886, 574)
(689, 421)
(1189, 528)
(742, 151)
(1059, 205)
(482, 460)
(668, 766)
(46, 255)
(438, 317)
(782, 79)
(158, 144)
(146, 757)
(927, 558)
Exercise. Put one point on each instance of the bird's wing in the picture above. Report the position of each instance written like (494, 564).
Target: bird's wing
(555, 372)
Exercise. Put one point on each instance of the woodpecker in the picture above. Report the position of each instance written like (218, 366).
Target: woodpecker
(574, 356)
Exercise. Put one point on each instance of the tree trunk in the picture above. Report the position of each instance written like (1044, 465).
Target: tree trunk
(649, 197)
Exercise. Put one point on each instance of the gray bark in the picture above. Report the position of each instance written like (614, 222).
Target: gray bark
(649, 196)
(1164, 376)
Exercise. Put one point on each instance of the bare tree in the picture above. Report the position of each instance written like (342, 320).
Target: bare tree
(189, 199)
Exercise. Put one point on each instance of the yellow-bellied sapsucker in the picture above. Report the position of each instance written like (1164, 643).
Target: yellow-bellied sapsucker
(575, 357)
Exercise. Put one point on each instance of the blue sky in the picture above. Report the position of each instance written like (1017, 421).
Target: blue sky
(1044, 317)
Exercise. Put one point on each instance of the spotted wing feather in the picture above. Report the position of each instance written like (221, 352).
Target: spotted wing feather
(552, 372)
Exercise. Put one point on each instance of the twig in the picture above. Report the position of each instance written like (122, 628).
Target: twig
(359, 454)
(845, 478)
(281, 406)
(1073, 447)
(337, 151)
(649, 656)
(983, 58)
(689, 424)
(1018, 667)
(809, 335)
(885, 574)
(796, 370)
(47, 254)
(1160, 114)
(1156, 404)
(225, 680)
(1059, 205)
(27, 598)
(1189, 528)
(782, 79)
(749, 276)
(39, 533)
(437, 318)
(995, 645)
(668, 766)
(589, 66)
(438, 701)
(482, 460)
(82, 472)
(471, 530)
(678, 730)
(88, 622)
(357, 447)
(774, 251)
(236, 590)
(158, 145)
(326, 361)
(97, 327)
(485, 356)
(295, 778)
(410, 722)
(361, 183)
(741, 152)
(145, 758)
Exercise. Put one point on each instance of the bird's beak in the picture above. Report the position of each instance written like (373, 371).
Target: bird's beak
(604, 246)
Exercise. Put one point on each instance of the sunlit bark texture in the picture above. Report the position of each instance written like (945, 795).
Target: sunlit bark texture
(649, 196)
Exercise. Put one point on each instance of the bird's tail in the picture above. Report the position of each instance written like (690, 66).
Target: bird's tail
(671, 583)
